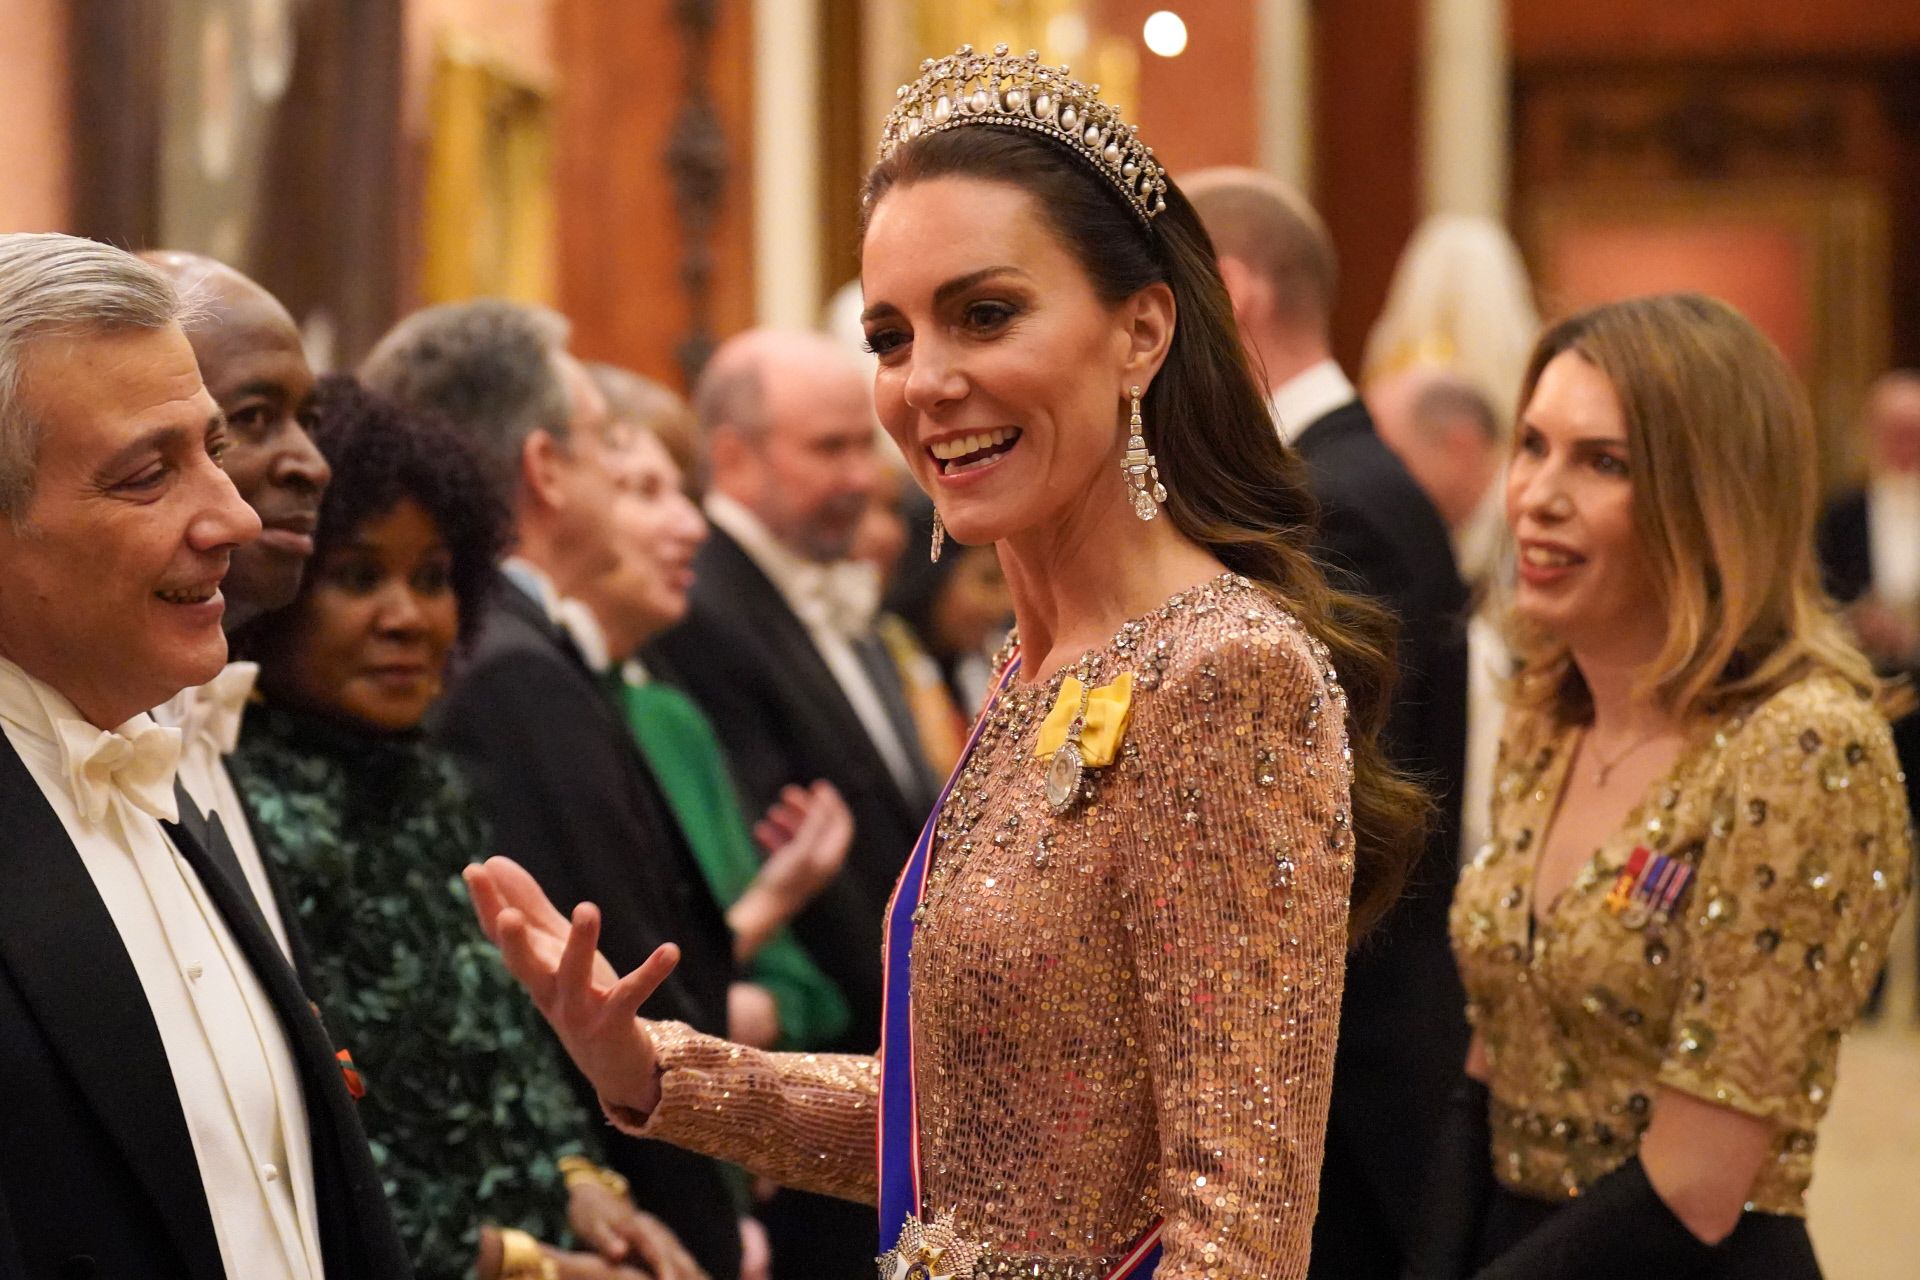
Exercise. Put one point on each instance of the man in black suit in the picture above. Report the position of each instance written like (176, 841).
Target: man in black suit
(1869, 541)
(1403, 1032)
(250, 355)
(778, 648)
(567, 792)
(172, 1106)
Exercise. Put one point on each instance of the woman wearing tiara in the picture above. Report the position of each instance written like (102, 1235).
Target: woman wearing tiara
(1115, 958)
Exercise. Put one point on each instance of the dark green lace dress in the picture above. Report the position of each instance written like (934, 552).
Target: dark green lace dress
(468, 1101)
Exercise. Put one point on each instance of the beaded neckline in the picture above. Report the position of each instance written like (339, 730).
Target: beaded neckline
(1124, 641)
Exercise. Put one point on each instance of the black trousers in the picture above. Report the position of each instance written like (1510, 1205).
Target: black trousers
(1765, 1246)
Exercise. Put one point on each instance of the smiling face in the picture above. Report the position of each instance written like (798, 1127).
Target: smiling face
(110, 582)
(371, 636)
(656, 531)
(1002, 374)
(256, 370)
(1583, 575)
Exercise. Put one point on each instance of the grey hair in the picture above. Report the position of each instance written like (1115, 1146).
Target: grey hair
(1448, 399)
(54, 286)
(489, 367)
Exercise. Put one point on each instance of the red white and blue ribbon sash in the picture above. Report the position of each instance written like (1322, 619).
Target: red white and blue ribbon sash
(899, 1130)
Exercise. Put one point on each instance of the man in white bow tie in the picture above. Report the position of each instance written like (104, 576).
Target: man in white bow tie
(254, 365)
(157, 1050)
(779, 649)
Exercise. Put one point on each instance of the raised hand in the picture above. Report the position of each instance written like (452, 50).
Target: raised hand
(806, 835)
(594, 1011)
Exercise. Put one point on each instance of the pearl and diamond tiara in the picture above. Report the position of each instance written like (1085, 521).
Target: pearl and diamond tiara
(969, 88)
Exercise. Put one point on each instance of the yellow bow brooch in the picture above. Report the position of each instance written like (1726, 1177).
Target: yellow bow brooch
(1083, 731)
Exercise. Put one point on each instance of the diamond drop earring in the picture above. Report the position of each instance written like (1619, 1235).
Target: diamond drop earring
(1141, 469)
(939, 538)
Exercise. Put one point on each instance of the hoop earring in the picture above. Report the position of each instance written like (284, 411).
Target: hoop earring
(939, 538)
(1142, 471)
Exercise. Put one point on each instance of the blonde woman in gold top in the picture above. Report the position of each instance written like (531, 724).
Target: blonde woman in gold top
(1122, 937)
(1700, 842)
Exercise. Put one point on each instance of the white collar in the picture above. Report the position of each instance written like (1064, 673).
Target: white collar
(30, 703)
(841, 596)
(533, 580)
(744, 527)
(1309, 396)
(91, 759)
(583, 624)
(211, 714)
(1895, 490)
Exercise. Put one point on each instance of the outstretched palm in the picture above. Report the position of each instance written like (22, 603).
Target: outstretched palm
(593, 1009)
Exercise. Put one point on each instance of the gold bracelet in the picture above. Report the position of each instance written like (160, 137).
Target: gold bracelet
(522, 1258)
(575, 1170)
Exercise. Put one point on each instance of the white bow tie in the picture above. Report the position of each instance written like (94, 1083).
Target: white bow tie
(101, 765)
(842, 597)
(217, 708)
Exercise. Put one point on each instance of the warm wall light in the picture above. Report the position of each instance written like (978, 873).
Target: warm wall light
(1165, 33)
(1067, 34)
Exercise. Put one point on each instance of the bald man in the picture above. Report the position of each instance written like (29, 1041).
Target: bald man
(253, 364)
(779, 650)
(251, 356)
(1403, 1029)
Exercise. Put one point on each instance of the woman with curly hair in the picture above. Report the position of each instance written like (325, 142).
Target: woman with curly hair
(469, 1108)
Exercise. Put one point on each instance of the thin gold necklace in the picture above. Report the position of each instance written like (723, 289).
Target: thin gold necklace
(1603, 768)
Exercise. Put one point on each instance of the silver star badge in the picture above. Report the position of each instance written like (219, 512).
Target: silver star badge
(930, 1251)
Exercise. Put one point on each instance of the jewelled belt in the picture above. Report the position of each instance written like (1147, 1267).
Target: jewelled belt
(935, 1251)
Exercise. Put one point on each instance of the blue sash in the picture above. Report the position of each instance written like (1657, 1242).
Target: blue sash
(899, 1136)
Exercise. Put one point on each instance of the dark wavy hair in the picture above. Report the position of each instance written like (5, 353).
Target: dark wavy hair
(1233, 488)
(381, 453)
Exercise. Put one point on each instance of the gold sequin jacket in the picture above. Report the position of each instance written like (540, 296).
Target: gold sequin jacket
(1125, 1012)
(1794, 820)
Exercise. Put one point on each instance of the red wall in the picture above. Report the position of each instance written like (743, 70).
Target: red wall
(1690, 28)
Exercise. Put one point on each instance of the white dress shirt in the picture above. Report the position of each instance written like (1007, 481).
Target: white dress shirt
(582, 624)
(208, 718)
(1309, 396)
(837, 604)
(533, 580)
(1893, 540)
(232, 1067)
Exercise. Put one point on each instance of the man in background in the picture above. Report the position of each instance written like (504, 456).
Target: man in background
(779, 649)
(1869, 540)
(1446, 435)
(251, 358)
(1403, 1032)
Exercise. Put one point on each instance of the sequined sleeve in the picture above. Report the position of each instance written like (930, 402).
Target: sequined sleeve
(1802, 876)
(805, 1120)
(1235, 885)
